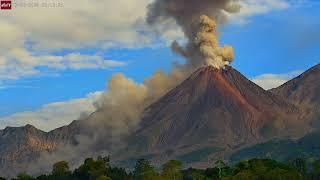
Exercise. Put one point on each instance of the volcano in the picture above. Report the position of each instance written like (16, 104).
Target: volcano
(213, 108)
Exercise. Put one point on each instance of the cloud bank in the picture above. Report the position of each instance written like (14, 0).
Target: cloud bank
(53, 115)
(269, 81)
(20, 63)
(33, 35)
(256, 7)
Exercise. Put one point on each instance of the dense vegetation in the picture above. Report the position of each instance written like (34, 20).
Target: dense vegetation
(282, 150)
(254, 169)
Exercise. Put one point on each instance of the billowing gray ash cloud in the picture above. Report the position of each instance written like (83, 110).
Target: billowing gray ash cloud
(198, 20)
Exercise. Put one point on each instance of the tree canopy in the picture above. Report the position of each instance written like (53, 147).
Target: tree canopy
(253, 169)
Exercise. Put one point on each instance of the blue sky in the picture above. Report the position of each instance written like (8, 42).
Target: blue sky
(280, 42)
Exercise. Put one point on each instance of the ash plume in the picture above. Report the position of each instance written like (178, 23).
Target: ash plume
(121, 106)
(119, 111)
(198, 20)
(207, 43)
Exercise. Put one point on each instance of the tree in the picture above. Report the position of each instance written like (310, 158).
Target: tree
(61, 169)
(144, 171)
(283, 174)
(194, 174)
(265, 169)
(105, 160)
(245, 175)
(300, 164)
(172, 170)
(24, 176)
(315, 173)
(197, 176)
(44, 177)
(93, 169)
(220, 165)
(118, 174)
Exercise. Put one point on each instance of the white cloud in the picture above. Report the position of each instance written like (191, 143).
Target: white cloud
(18, 63)
(53, 115)
(256, 7)
(269, 81)
(79, 23)
(30, 35)
(11, 35)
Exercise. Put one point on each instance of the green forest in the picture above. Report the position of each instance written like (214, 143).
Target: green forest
(253, 169)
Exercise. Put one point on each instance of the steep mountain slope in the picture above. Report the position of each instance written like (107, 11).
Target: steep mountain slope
(212, 108)
(304, 91)
(22, 145)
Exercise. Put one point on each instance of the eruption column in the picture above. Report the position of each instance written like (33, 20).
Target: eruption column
(202, 47)
(207, 43)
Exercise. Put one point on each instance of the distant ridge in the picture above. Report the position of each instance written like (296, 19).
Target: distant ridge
(304, 91)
